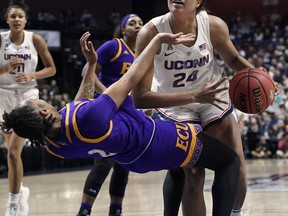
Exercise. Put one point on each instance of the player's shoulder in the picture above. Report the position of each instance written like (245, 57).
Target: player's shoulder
(149, 30)
(110, 43)
(216, 21)
(36, 37)
(217, 24)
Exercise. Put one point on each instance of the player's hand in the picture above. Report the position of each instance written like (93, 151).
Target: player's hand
(87, 49)
(23, 77)
(12, 64)
(276, 85)
(178, 38)
(208, 92)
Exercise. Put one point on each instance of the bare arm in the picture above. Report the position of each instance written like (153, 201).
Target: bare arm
(46, 58)
(86, 89)
(119, 90)
(219, 34)
(99, 87)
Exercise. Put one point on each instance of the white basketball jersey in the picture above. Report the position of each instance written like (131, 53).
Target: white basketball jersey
(178, 68)
(26, 51)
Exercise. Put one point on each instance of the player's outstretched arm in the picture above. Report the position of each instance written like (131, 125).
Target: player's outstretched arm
(86, 89)
(120, 89)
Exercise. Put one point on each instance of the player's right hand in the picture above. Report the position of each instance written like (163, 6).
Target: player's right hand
(12, 64)
(208, 92)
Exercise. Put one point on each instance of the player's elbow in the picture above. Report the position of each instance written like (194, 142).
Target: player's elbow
(139, 98)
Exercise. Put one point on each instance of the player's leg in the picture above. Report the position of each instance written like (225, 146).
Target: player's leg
(227, 131)
(15, 173)
(193, 202)
(173, 182)
(226, 164)
(172, 191)
(118, 183)
(93, 183)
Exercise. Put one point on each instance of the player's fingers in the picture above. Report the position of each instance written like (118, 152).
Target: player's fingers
(90, 46)
(221, 101)
(84, 35)
(219, 107)
(220, 90)
(84, 38)
(177, 35)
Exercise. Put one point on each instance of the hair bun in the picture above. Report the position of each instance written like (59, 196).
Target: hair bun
(17, 2)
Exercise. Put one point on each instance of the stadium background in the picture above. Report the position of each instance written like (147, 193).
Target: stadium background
(72, 17)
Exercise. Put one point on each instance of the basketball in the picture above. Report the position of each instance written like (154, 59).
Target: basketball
(252, 90)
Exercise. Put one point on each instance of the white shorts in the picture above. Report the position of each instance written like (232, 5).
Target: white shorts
(202, 114)
(10, 99)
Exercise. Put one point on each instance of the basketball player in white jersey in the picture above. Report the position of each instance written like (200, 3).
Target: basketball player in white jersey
(187, 67)
(19, 51)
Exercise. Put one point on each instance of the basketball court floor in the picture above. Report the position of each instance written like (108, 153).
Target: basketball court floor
(60, 194)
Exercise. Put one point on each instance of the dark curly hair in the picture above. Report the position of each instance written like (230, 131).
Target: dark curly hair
(18, 4)
(27, 123)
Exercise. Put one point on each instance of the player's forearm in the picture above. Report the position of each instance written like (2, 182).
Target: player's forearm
(87, 87)
(3, 70)
(44, 73)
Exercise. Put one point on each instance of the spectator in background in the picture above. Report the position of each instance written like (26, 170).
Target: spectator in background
(282, 151)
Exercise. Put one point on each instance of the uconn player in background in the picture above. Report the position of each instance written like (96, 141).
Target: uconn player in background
(18, 60)
(187, 67)
(114, 59)
(111, 126)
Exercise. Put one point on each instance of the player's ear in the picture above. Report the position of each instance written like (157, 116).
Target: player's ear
(44, 112)
(199, 2)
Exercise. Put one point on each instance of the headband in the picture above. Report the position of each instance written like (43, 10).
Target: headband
(126, 18)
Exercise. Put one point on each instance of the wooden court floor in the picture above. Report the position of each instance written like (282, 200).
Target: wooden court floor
(60, 194)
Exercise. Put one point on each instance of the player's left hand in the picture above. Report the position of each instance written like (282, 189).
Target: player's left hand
(23, 77)
(87, 48)
(178, 38)
(276, 85)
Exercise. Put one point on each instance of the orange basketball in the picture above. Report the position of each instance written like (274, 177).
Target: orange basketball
(252, 90)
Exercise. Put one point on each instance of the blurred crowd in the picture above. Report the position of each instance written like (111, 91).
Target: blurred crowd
(263, 41)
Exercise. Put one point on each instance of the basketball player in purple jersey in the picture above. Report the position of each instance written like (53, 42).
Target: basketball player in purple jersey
(110, 126)
(114, 59)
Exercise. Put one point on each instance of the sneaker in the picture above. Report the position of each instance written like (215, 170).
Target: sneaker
(23, 202)
(12, 209)
(117, 213)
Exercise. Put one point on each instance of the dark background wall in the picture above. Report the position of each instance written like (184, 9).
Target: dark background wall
(222, 8)
(150, 8)
(100, 9)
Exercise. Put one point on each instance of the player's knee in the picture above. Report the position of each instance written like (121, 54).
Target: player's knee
(195, 177)
(13, 156)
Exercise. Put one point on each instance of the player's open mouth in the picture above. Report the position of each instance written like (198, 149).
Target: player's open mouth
(177, 2)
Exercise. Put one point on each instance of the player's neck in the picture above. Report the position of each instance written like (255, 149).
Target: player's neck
(55, 130)
(17, 38)
(181, 24)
